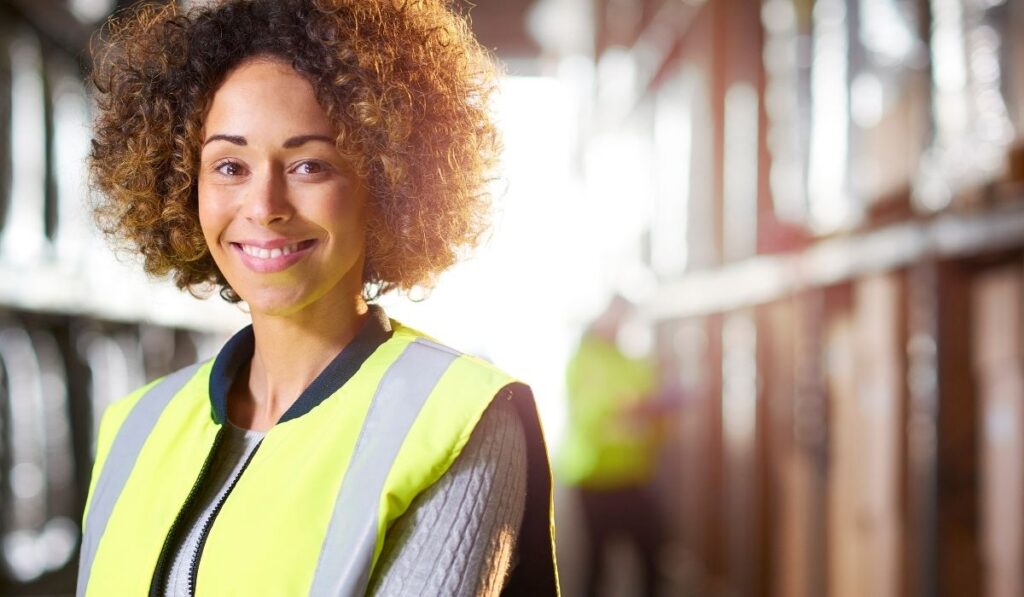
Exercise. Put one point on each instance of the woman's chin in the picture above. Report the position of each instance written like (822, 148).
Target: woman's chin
(298, 300)
(276, 302)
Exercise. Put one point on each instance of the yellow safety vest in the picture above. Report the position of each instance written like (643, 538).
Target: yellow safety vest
(309, 514)
(604, 447)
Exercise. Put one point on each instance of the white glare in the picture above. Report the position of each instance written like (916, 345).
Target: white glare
(514, 299)
(24, 235)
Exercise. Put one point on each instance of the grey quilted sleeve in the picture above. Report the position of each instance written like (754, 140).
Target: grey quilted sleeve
(458, 537)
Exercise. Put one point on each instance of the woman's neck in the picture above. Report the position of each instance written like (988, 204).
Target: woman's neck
(290, 352)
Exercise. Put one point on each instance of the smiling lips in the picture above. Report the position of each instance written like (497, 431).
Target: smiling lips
(273, 256)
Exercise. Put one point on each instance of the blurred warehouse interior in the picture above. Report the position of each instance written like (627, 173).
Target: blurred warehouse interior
(818, 204)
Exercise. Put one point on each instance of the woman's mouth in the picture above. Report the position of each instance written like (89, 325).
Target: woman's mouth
(270, 257)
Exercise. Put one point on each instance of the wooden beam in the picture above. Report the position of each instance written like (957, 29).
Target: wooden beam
(766, 278)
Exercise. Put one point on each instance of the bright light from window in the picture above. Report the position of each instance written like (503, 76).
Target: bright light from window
(515, 300)
(830, 203)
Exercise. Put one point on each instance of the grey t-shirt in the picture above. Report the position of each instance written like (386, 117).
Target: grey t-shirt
(457, 538)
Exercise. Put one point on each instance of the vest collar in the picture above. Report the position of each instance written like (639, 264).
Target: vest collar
(239, 350)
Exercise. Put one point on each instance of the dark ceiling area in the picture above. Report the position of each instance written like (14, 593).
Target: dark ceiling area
(500, 25)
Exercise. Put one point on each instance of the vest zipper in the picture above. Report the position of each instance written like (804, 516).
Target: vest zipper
(155, 588)
(193, 569)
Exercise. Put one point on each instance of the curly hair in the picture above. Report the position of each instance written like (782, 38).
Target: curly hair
(405, 83)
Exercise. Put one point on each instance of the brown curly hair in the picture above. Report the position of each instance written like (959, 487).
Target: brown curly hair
(404, 82)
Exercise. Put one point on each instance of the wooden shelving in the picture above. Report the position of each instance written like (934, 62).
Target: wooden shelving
(112, 294)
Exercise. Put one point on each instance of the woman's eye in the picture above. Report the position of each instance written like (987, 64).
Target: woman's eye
(309, 168)
(229, 169)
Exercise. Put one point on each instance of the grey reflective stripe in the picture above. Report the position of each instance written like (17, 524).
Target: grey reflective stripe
(343, 568)
(121, 460)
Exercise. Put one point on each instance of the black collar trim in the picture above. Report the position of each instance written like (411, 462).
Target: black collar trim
(238, 351)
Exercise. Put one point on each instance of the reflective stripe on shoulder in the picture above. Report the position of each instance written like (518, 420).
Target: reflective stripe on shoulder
(343, 568)
(127, 445)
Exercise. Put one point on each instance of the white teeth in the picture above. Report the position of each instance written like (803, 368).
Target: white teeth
(269, 253)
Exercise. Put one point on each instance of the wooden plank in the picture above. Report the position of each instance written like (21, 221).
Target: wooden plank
(921, 422)
(957, 536)
(997, 354)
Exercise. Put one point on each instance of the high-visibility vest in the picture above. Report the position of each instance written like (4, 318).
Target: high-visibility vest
(605, 447)
(309, 513)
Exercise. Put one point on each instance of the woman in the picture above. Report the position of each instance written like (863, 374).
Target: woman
(307, 156)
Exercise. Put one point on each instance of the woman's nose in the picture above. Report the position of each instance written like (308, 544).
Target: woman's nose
(267, 201)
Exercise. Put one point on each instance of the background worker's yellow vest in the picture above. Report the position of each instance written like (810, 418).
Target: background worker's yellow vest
(309, 513)
(604, 447)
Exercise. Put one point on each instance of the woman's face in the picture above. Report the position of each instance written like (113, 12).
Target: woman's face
(282, 213)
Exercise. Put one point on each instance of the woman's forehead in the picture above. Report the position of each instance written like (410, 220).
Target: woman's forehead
(267, 100)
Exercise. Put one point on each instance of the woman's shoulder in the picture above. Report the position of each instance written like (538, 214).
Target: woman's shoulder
(174, 382)
(118, 409)
(469, 364)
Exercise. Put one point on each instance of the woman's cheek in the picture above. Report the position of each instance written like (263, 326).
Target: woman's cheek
(211, 216)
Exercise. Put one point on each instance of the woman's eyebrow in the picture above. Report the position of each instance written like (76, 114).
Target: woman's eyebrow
(301, 139)
(288, 144)
(236, 139)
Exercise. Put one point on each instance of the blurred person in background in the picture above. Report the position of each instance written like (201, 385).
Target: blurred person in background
(611, 450)
(307, 157)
